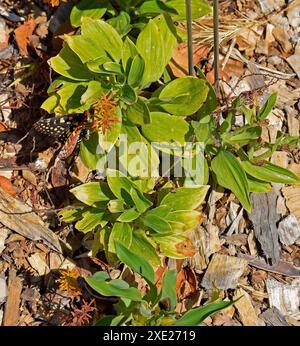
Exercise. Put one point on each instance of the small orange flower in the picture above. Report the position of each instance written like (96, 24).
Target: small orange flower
(55, 2)
(104, 113)
(68, 282)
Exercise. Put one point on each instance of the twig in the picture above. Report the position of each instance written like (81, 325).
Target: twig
(216, 46)
(190, 36)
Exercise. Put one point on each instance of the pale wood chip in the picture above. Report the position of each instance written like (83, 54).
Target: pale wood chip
(12, 310)
(38, 263)
(273, 317)
(3, 235)
(292, 193)
(3, 289)
(19, 217)
(284, 297)
(246, 309)
(223, 271)
(289, 230)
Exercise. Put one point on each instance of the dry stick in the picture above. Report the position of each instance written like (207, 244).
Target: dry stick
(190, 36)
(216, 46)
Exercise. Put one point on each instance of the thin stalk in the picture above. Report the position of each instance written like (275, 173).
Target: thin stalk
(216, 46)
(190, 36)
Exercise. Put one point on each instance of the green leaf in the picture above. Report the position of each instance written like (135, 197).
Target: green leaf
(129, 51)
(185, 198)
(140, 201)
(121, 233)
(169, 35)
(165, 128)
(157, 223)
(197, 315)
(200, 8)
(242, 136)
(168, 287)
(183, 221)
(168, 245)
(117, 288)
(138, 113)
(91, 218)
(268, 106)
(121, 23)
(92, 193)
(115, 206)
(129, 215)
(70, 215)
(94, 89)
(151, 47)
(90, 154)
(270, 173)
(231, 175)
(104, 36)
(136, 71)
(135, 262)
(128, 95)
(120, 186)
(91, 8)
(184, 96)
(68, 64)
(258, 186)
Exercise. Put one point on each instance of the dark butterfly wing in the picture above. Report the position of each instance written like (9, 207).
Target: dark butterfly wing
(59, 128)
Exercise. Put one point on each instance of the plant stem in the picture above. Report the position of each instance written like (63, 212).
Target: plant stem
(216, 46)
(190, 36)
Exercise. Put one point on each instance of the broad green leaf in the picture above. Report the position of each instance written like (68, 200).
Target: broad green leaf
(138, 113)
(196, 171)
(115, 206)
(195, 316)
(242, 136)
(91, 218)
(129, 215)
(153, 7)
(128, 95)
(135, 262)
(169, 245)
(231, 175)
(129, 51)
(200, 8)
(169, 35)
(70, 215)
(157, 223)
(68, 64)
(184, 96)
(92, 193)
(136, 71)
(121, 23)
(90, 154)
(169, 287)
(86, 49)
(121, 233)
(104, 36)
(166, 128)
(92, 93)
(140, 201)
(256, 185)
(120, 185)
(268, 106)
(91, 8)
(270, 173)
(185, 198)
(118, 288)
(144, 246)
(151, 47)
(183, 220)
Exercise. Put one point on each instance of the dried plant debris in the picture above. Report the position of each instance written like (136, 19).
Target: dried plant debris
(289, 230)
(223, 272)
(273, 317)
(264, 219)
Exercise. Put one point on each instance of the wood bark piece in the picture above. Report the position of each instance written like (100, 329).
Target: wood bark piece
(12, 310)
(289, 230)
(223, 272)
(3, 235)
(264, 219)
(245, 309)
(37, 263)
(291, 194)
(19, 217)
(284, 297)
(283, 268)
(3, 289)
(273, 317)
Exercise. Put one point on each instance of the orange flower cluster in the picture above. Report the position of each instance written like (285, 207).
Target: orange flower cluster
(104, 114)
(68, 282)
(55, 2)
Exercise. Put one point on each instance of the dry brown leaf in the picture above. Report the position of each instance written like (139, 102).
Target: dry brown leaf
(186, 283)
(23, 33)
(7, 186)
(186, 248)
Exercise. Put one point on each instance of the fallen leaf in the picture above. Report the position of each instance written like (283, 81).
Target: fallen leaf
(7, 186)
(22, 34)
(186, 283)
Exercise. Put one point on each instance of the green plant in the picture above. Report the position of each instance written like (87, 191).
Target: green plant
(122, 210)
(157, 306)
